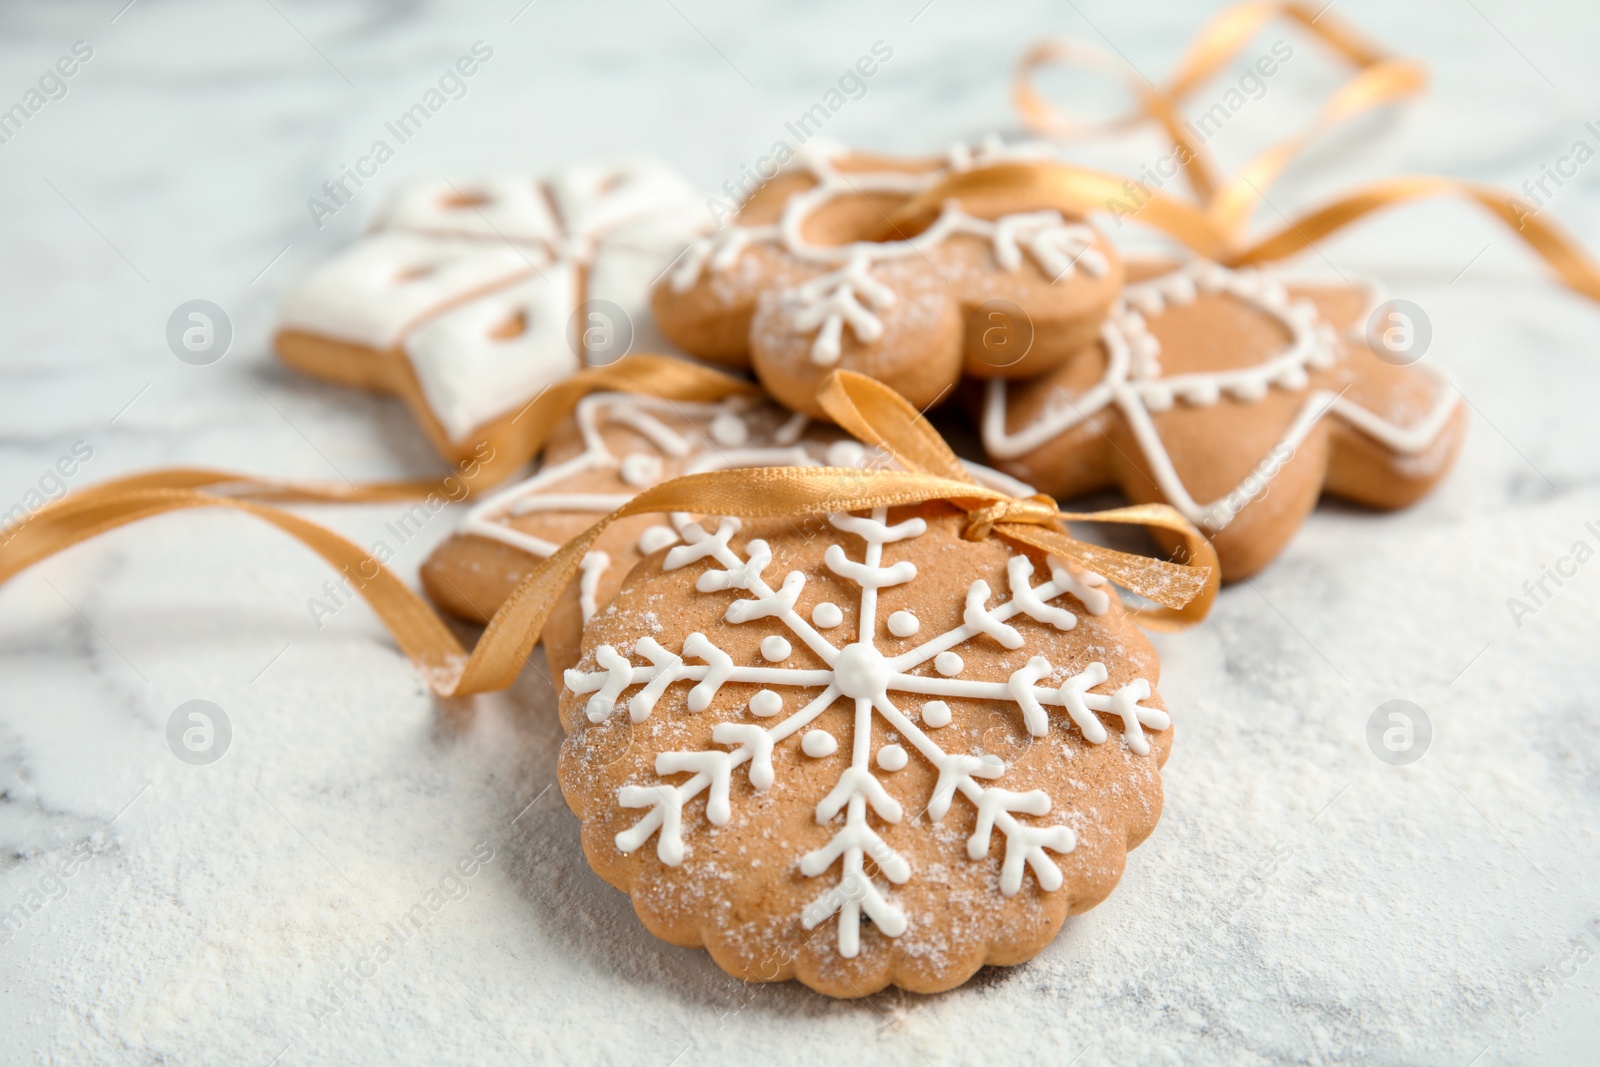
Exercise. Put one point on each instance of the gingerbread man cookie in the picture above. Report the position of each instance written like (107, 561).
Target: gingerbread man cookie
(1238, 399)
(464, 300)
(613, 446)
(801, 283)
(884, 755)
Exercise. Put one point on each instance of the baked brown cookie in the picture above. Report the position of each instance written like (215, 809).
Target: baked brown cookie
(862, 754)
(474, 295)
(802, 283)
(1238, 398)
(610, 448)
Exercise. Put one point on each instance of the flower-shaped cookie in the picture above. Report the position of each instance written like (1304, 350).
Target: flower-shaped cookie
(882, 755)
(801, 283)
(465, 300)
(1238, 399)
(613, 446)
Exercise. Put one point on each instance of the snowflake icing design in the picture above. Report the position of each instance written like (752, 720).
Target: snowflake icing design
(859, 672)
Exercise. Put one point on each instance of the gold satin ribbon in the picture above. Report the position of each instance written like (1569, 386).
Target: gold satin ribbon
(1214, 223)
(646, 374)
(1185, 592)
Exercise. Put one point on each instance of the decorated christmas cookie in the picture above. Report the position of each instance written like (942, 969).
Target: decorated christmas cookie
(805, 280)
(466, 300)
(1238, 399)
(611, 447)
(863, 754)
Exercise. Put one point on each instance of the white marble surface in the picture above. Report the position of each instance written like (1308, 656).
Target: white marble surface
(1301, 901)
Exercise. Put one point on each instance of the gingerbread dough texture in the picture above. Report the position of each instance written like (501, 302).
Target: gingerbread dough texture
(1238, 397)
(862, 751)
(811, 277)
(610, 448)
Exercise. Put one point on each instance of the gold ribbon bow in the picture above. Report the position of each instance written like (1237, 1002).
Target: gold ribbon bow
(870, 410)
(1214, 224)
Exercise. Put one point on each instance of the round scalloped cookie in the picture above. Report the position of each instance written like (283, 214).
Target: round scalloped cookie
(899, 807)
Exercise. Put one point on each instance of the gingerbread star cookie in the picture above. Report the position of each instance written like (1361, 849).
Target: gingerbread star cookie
(472, 296)
(613, 446)
(1236, 397)
(802, 283)
(885, 755)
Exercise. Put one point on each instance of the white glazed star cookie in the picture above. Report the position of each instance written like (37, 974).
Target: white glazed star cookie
(464, 300)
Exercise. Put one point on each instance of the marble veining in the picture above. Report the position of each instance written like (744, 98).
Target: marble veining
(1301, 901)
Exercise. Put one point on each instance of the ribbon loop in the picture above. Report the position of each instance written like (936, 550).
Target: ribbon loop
(1214, 224)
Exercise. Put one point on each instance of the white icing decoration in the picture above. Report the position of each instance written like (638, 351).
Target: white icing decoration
(640, 469)
(500, 207)
(454, 261)
(655, 538)
(766, 704)
(861, 674)
(471, 374)
(371, 293)
(590, 569)
(903, 624)
(688, 445)
(729, 430)
(1133, 383)
(644, 415)
(827, 615)
(818, 743)
(948, 664)
(845, 292)
(775, 648)
(598, 198)
(846, 454)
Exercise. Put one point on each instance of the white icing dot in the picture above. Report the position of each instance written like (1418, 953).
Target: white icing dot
(818, 743)
(775, 648)
(846, 454)
(641, 468)
(827, 615)
(891, 757)
(766, 704)
(729, 430)
(948, 664)
(903, 624)
(936, 713)
(655, 538)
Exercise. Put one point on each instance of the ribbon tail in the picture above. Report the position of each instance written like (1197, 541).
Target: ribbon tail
(1184, 590)
(1548, 240)
(417, 628)
(642, 373)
